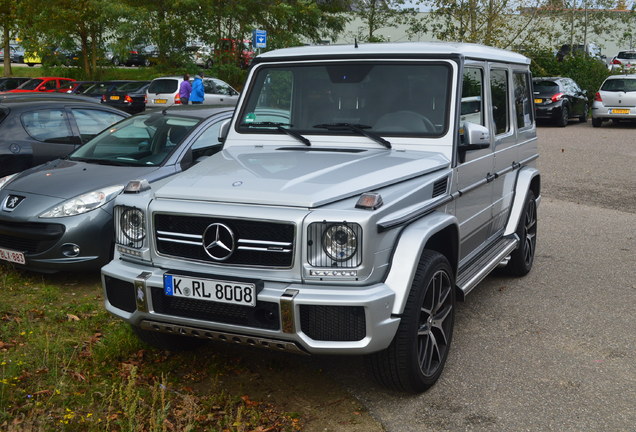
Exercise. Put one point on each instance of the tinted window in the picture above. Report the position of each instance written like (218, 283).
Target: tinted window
(546, 86)
(90, 122)
(223, 88)
(48, 125)
(523, 105)
(627, 55)
(31, 84)
(625, 85)
(133, 86)
(499, 92)
(163, 86)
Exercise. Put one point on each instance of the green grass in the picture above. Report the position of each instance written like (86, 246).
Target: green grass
(67, 365)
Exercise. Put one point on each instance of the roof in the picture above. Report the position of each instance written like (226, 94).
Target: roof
(40, 96)
(408, 49)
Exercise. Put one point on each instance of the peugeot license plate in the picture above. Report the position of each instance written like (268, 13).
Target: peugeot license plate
(619, 111)
(114, 97)
(12, 256)
(538, 101)
(222, 291)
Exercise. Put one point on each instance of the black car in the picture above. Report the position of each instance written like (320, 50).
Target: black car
(559, 99)
(138, 56)
(129, 97)
(9, 83)
(100, 88)
(34, 130)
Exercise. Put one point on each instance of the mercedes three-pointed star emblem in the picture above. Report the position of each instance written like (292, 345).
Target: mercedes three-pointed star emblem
(218, 241)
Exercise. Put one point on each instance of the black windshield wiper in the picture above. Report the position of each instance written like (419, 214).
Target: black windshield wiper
(279, 126)
(359, 128)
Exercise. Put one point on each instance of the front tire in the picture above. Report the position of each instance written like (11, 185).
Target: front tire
(416, 357)
(522, 258)
(583, 117)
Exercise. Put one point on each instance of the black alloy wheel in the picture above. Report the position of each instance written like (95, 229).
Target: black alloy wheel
(522, 258)
(416, 357)
(565, 116)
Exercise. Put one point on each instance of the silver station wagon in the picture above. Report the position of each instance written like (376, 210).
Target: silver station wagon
(361, 191)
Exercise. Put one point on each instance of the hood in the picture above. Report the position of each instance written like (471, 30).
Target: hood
(66, 179)
(296, 177)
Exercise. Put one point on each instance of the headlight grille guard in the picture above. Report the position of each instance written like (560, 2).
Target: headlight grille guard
(333, 244)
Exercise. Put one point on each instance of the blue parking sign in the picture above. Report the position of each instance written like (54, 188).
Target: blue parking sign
(259, 38)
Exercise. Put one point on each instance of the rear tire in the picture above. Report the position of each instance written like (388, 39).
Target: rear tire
(166, 341)
(597, 121)
(416, 357)
(522, 258)
(565, 116)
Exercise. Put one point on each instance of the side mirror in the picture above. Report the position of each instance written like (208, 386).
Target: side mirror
(474, 137)
(224, 130)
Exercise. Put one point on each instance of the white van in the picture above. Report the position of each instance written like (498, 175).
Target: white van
(164, 92)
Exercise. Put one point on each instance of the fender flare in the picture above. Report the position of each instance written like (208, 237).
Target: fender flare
(528, 178)
(406, 255)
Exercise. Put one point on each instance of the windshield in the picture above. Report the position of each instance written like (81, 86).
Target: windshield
(355, 98)
(31, 84)
(144, 140)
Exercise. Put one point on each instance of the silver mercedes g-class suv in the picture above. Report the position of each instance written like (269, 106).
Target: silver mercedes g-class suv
(361, 191)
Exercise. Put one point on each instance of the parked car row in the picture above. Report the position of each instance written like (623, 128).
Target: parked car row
(51, 215)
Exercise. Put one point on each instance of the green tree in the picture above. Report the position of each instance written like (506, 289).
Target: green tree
(378, 14)
(8, 19)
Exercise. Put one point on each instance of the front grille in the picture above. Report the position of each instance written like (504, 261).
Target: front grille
(120, 294)
(255, 243)
(333, 323)
(264, 316)
(29, 237)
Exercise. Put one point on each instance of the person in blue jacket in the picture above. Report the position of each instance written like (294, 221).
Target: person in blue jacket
(197, 94)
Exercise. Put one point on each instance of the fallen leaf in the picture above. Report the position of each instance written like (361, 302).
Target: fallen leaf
(72, 317)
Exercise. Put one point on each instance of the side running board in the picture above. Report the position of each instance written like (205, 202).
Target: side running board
(470, 277)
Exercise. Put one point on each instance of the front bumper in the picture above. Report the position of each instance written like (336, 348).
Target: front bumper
(309, 318)
(49, 245)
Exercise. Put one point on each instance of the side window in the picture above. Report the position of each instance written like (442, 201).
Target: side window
(50, 85)
(472, 96)
(48, 125)
(523, 105)
(223, 88)
(90, 122)
(499, 91)
(209, 87)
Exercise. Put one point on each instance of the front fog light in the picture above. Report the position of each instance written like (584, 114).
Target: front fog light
(339, 242)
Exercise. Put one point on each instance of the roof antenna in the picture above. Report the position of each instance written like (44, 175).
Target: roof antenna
(355, 42)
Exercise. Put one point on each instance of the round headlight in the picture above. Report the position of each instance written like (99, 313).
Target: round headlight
(339, 242)
(131, 223)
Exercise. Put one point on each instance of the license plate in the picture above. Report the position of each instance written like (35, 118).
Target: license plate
(114, 98)
(538, 100)
(619, 111)
(12, 256)
(161, 101)
(214, 290)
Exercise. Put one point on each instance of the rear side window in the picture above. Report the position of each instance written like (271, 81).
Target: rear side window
(163, 86)
(499, 93)
(523, 104)
(49, 125)
(3, 114)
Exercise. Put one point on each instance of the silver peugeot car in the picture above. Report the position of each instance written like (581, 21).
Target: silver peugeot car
(58, 216)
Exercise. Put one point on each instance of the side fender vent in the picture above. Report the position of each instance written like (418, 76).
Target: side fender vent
(440, 186)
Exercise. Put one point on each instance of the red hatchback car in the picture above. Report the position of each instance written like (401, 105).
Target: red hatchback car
(42, 84)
